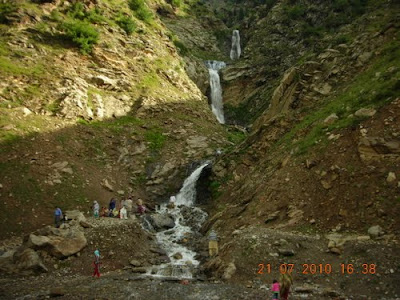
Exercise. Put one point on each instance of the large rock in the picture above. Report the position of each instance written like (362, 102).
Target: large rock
(375, 231)
(75, 215)
(26, 259)
(60, 243)
(229, 271)
(365, 112)
(162, 221)
(375, 147)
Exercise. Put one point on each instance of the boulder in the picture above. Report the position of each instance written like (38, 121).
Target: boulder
(332, 118)
(135, 263)
(26, 259)
(375, 231)
(59, 243)
(162, 221)
(229, 271)
(177, 256)
(391, 177)
(85, 224)
(75, 215)
(365, 112)
(57, 292)
(376, 147)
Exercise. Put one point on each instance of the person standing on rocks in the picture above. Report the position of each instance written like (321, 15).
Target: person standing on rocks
(96, 263)
(141, 207)
(286, 281)
(96, 209)
(58, 215)
(123, 213)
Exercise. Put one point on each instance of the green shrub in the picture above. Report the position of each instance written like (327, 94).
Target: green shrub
(295, 12)
(5, 10)
(126, 23)
(78, 11)
(182, 48)
(81, 33)
(141, 10)
(176, 3)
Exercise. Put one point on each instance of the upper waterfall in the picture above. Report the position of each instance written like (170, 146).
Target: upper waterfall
(235, 50)
(217, 106)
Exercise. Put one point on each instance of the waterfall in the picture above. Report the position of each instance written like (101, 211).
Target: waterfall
(235, 50)
(217, 106)
(187, 194)
(188, 220)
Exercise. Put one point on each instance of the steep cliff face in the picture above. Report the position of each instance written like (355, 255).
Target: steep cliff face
(95, 102)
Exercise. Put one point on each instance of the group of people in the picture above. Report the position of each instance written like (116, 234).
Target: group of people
(121, 210)
(281, 289)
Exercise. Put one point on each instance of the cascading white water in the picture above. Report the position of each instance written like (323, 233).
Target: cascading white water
(235, 50)
(217, 105)
(170, 240)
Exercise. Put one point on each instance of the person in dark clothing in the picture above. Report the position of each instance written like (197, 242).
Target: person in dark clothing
(58, 215)
(111, 206)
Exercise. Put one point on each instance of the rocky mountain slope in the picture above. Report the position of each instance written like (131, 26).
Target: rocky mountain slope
(78, 126)
(309, 171)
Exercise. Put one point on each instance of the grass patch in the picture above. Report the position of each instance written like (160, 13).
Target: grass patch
(6, 9)
(10, 67)
(155, 138)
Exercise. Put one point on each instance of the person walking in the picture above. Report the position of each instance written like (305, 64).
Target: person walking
(96, 263)
(275, 289)
(286, 281)
(58, 215)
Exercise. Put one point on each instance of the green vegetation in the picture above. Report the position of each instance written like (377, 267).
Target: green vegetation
(236, 136)
(6, 9)
(8, 66)
(295, 12)
(155, 138)
(140, 10)
(84, 35)
(366, 90)
(126, 23)
(78, 11)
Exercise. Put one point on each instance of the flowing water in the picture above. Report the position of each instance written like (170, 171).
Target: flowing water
(235, 50)
(217, 105)
(182, 265)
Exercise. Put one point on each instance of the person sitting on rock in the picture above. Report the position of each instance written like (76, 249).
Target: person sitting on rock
(128, 205)
(141, 207)
(123, 213)
(115, 213)
(58, 215)
(103, 211)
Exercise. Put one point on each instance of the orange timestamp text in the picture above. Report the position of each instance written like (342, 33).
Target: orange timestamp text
(345, 269)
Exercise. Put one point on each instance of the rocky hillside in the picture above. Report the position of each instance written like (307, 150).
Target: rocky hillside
(95, 103)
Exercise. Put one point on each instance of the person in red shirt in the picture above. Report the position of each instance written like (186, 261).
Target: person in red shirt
(275, 289)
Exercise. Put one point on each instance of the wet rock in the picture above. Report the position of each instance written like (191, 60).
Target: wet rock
(162, 221)
(141, 270)
(365, 112)
(177, 255)
(375, 231)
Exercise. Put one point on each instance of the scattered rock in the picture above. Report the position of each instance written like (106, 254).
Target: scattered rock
(272, 217)
(107, 185)
(229, 271)
(26, 111)
(57, 292)
(362, 238)
(135, 263)
(331, 119)
(141, 270)
(177, 255)
(286, 252)
(365, 112)
(391, 177)
(375, 231)
(85, 224)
